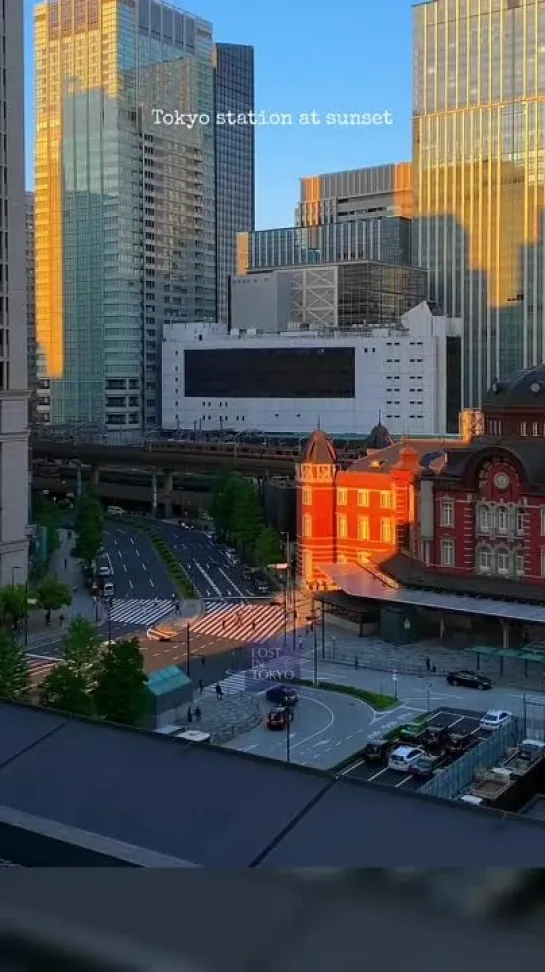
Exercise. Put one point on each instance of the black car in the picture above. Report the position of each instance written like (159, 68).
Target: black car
(377, 752)
(469, 680)
(282, 695)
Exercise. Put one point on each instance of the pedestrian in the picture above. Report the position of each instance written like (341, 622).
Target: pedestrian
(177, 607)
(48, 617)
(219, 692)
(201, 686)
(223, 624)
(65, 563)
(197, 714)
(189, 715)
(203, 660)
(61, 619)
(300, 644)
(428, 665)
(434, 670)
(253, 625)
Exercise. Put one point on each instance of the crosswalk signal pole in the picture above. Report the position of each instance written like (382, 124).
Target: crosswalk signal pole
(288, 739)
(187, 648)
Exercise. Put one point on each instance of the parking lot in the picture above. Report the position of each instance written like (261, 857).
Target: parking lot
(457, 720)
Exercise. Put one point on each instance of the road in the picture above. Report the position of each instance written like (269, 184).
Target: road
(138, 570)
(204, 562)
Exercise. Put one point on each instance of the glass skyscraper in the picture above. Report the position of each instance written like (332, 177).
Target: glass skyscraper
(125, 210)
(479, 176)
(235, 161)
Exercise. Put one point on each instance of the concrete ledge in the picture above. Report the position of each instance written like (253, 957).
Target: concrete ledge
(36, 842)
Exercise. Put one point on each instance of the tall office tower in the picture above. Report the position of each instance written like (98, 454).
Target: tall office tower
(235, 161)
(479, 176)
(336, 197)
(125, 211)
(30, 308)
(13, 335)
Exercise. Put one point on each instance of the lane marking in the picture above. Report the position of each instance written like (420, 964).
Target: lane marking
(230, 581)
(208, 579)
(320, 731)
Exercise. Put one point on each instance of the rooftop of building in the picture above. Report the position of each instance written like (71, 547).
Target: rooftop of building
(384, 460)
(526, 389)
(219, 808)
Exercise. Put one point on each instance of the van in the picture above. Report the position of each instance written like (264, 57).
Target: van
(232, 557)
(115, 511)
(108, 589)
(403, 757)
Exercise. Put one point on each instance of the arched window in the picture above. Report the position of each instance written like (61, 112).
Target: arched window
(502, 519)
(503, 561)
(307, 525)
(484, 521)
(484, 560)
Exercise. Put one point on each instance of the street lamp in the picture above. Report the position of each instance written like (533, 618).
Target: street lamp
(288, 736)
(109, 601)
(187, 648)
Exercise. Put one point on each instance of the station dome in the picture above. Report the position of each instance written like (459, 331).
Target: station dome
(320, 450)
(525, 390)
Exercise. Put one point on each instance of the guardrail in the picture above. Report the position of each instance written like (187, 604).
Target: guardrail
(450, 782)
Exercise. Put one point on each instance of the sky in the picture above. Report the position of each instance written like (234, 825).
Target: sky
(310, 55)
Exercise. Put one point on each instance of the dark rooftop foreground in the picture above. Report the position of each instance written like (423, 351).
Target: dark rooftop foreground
(164, 802)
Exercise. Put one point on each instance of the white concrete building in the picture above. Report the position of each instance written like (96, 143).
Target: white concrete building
(287, 382)
(14, 481)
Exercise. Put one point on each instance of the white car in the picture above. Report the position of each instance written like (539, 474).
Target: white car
(495, 718)
(403, 757)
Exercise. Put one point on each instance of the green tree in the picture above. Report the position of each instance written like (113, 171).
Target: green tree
(14, 670)
(81, 651)
(247, 515)
(268, 550)
(89, 524)
(14, 603)
(223, 499)
(65, 690)
(52, 594)
(120, 694)
(46, 514)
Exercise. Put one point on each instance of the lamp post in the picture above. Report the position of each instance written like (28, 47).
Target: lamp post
(288, 737)
(187, 648)
(315, 643)
(109, 613)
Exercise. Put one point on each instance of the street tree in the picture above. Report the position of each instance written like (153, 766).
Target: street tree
(63, 689)
(247, 515)
(89, 525)
(46, 514)
(52, 594)
(223, 502)
(14, 670)
(268, 550)
(14, 604)
(121, 693)
(81, 651)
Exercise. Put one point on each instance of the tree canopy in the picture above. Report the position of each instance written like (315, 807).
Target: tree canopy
(14, 670)
(52, 594)
(237, 511)
(89, 525)
(268, 550)
(121, 694)
(14, 603)
(64, 689)
(81, 651)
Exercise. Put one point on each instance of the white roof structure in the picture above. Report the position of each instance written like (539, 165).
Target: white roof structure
(357, 582)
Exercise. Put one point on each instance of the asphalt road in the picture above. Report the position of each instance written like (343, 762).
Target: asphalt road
(204, 562)
(327, 728)
(138, 570)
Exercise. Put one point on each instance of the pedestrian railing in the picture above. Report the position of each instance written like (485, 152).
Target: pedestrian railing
(450, 782)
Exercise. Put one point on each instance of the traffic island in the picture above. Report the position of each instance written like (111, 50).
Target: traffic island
(378, 702)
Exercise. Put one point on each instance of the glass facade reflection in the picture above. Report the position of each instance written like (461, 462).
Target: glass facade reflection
(479, 176)
(376, 238)
(235, 162)
(376, 294)
(125, 210)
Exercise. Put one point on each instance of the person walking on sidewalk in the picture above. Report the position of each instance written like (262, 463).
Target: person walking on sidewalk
(189, 716)
(197, 714)
(61, 619)
(219, 691)
(201, 686)
(428, 665)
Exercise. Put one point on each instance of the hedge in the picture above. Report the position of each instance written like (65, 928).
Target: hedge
(376, 701)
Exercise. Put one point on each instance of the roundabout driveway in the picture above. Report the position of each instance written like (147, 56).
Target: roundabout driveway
(327, 728)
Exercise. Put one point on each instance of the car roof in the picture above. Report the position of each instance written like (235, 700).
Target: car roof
(496, 713)
(405, 751)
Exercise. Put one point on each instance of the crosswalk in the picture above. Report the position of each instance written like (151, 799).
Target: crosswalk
(137, 611)
(40, 666)
(259, 678)
(241, 621)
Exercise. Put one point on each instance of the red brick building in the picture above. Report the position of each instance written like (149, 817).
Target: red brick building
(465, 515)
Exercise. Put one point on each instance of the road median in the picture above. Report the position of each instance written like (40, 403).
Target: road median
(377, 701)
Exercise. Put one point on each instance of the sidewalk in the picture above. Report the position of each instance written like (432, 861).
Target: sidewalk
(343, 648)
(67, 569)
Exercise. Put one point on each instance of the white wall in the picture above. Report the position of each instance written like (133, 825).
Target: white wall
(261, 301)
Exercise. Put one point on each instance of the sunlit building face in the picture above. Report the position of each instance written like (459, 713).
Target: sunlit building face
(479, 175)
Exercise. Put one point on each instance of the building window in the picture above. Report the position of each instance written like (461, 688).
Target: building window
(307, 496)
(307, 564)
(503, 561)
(484, 560)
(363, 497)
(342, 527)
(485, 519)
(341, 497)
(386, 531)
(425, 551)
(535, 428)
(447, 513)
(519, 564)
(520, 521)
(542, 519)
(543, 561)
(363, 528)
(385, 499)
(343, 559)
(447, 553)
(524, 428)
(307, 525)
(502, 519)
(363, 558)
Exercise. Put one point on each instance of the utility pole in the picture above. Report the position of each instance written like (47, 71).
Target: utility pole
(187, 648)
(315, 637)
(288, 737)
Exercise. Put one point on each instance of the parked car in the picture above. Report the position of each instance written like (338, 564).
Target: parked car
(262, 587)
(467, 679)
(403, 757)
(495, 718)
(377, 752)
(434, 738)
(412, 732)
(427, 765)
(457, 743)
(280, 717)
(282, 695)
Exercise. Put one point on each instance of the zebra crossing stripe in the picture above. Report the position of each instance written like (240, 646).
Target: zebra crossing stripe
(141, 612)
(243, 622)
